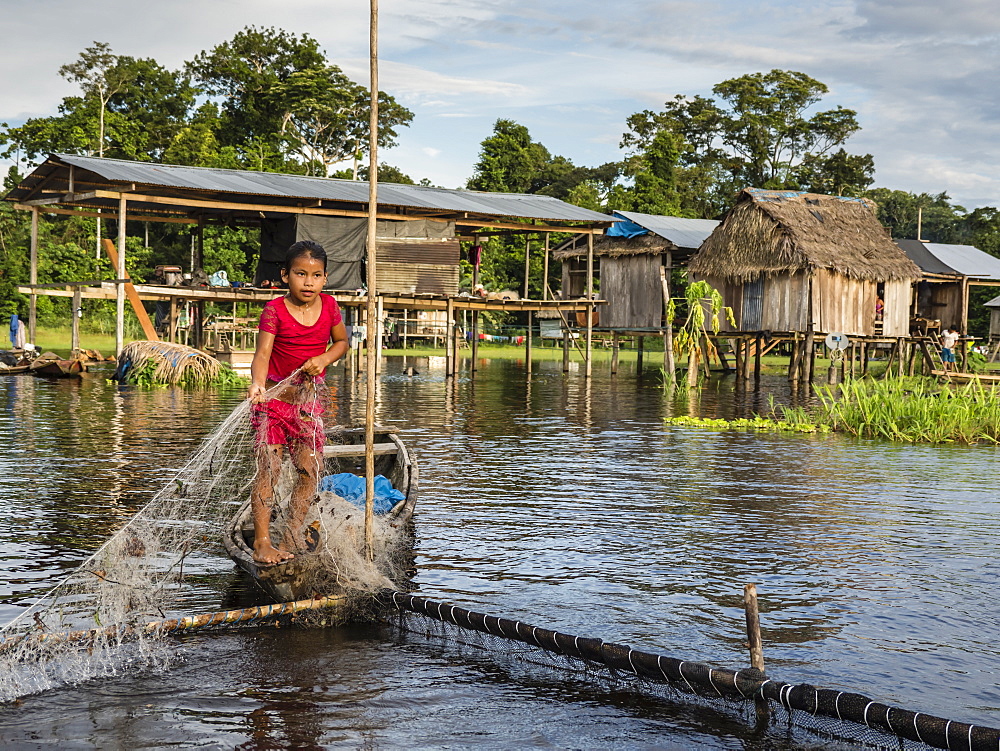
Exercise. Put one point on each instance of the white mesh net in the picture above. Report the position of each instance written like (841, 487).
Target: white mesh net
(93, 622)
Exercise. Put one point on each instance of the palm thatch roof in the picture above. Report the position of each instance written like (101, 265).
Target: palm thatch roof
(612, 247)
(773, 232)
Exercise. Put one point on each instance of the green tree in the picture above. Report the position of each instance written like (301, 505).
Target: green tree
(243, 72)
(899, 211)
(509, 161)
(327, 117)
(759, 133)
(100, 75)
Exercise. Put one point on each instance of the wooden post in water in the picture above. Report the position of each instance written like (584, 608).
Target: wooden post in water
(120, 276)
(545, 270)
(615, 346)
(449, 340)
(758, 343)
(33, 276)
(566, 348)
(590, 302)
(754, 641)
(372, 279)
(668, 323)
(456, 342)
(639, 344)
(527, 345)
(75, 335)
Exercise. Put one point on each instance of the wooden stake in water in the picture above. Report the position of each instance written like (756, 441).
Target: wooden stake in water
(753, 626)
(372, 315)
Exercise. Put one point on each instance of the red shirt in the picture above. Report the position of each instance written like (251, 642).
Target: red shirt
(294, 343)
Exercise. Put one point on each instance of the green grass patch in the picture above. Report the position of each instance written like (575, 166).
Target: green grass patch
(758, 423)
(911, 410)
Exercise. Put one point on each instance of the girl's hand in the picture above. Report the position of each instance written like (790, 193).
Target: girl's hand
(313, 366)
(256, 394)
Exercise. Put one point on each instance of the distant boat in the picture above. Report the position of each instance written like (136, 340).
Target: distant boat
(344, 452)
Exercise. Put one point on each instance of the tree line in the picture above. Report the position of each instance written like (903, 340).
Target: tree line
(269, 100)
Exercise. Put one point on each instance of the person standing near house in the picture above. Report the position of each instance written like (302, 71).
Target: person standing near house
(949, 338)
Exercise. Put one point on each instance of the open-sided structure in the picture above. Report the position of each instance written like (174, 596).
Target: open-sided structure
(793, 262)
(948, 271)
(420, 226)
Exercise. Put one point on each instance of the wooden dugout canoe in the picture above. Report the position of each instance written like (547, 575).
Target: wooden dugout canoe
(344, 452)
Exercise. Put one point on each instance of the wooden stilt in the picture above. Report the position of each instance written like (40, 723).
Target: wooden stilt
(527, 344)
(565, 347)
(640, 343)
(745, 343)
(475, 342)
(809, 356)
(449, 356)
(758, 346)
(75, 330)
(736, 344)
(120, 286)
(590, 302)
(669, 367)
(614, 352)
(456, 344)
(33, 276)
(172, 323)
(793, 366)
(379, 333)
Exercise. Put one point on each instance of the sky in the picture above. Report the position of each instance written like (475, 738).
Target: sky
(921, 74)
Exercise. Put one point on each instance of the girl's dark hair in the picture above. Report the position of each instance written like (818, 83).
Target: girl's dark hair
(305, 248)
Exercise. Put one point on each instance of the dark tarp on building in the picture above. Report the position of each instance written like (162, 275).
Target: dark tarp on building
(344, 241)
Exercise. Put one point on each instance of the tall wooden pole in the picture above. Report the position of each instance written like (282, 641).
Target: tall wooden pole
(75, 329)
(590, 302)
(120, 275)
(527, 264)
(668, 323)
(33, 276)
(545, 270)
(372, 314)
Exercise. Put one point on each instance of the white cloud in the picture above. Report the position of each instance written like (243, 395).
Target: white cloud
(920, 73)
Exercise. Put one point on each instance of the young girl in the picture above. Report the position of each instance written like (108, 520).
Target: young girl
(294, 332)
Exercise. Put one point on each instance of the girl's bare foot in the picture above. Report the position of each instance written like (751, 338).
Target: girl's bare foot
(265, 553)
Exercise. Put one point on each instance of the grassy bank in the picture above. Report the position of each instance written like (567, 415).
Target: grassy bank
(58, 340)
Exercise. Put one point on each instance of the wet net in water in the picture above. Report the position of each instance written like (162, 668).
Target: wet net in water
(831, 714)
(95, 622)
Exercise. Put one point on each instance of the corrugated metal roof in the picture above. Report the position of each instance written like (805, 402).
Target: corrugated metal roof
(966, 260)
(318, 188)
(917, 252)
(682, 232)
(994, 303)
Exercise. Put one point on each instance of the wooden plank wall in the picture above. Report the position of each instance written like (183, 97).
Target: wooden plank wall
(631, 285)
(786, 302)
(843, 305)
(896, 308)
(418, 266)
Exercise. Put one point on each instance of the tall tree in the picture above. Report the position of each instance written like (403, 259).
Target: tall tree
(758, 133)
(101, 77)
(326, 117)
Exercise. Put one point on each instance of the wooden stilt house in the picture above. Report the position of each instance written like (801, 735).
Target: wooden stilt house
(941, 297)
(633, 257)
(792, 262)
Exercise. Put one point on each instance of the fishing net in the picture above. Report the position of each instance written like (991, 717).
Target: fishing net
(111, 611)
(773, 707)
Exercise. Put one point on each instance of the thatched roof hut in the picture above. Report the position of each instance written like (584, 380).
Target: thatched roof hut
(788, 261)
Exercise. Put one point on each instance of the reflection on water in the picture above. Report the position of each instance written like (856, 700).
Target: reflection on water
(560, 501)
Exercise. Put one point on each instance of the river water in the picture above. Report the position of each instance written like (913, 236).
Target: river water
(561, 502)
